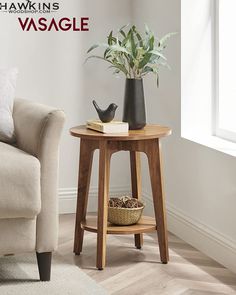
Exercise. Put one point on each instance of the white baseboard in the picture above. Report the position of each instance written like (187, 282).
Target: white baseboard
(67, 200)
(200, 236)
(68, 197)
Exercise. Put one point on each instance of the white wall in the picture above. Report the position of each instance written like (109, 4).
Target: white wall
(52, 71)
(200, 182)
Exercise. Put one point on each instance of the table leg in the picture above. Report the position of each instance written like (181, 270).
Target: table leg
(85, 166)
(103, 192)
(135, 166)
(154, 159)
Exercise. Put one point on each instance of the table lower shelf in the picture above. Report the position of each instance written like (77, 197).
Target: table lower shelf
(145, 225)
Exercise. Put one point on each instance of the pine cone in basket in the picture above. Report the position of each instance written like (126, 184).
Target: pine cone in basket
(115, 202)
(124, 202)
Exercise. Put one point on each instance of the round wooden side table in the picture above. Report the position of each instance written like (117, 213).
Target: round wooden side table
(147, 141)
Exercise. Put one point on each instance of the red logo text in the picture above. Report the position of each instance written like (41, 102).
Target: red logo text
(63, 24)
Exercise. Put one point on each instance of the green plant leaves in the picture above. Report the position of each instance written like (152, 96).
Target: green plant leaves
(147, 30)
(156, 52)
(110, 38)
(133, 45)
(121, 31)
(145, 60)
(92, 47)
(162, 42)
(96, 46)
(118, 48)
(96, 56)
(133, 54)
(119, 67)
(140, 39)
(151, 43)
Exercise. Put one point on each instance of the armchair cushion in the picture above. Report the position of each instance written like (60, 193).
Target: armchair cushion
(7, 92)
(19, 183)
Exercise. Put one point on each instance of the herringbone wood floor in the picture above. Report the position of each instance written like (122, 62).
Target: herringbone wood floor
(131, 271)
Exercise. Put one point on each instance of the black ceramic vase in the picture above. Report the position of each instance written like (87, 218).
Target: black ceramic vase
(134, 104)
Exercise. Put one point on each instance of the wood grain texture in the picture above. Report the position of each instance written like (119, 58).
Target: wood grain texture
(131, 271)
(155, 167)
(85, 165)
(136, 184)
(146, 224)
(149, 132)
(103, 193)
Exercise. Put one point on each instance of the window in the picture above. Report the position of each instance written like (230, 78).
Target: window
(208, 79)
(225, 70)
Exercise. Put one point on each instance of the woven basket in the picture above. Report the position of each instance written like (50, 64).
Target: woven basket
(124, 216)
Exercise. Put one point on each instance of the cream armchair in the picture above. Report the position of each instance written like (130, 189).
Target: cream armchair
(28, 184)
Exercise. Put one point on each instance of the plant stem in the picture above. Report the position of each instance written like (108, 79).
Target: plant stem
(133, 69)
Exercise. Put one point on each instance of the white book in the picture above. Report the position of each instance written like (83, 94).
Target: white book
(111, 127)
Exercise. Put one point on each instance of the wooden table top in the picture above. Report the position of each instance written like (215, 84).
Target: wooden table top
(148, 132)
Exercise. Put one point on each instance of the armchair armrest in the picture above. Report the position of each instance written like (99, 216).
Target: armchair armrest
(35, 124)
(38, 129)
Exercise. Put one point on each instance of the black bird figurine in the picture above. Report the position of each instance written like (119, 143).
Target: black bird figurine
(106, 115)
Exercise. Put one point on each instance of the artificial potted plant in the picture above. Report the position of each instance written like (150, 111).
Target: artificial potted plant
(135, 55)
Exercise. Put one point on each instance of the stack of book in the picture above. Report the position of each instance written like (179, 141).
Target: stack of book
(111, 127)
